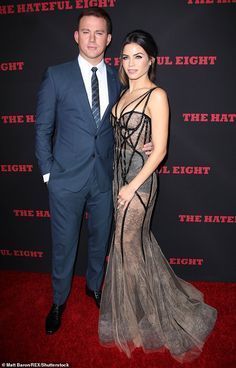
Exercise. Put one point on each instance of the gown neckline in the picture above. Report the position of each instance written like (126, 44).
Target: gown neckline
(141, 97)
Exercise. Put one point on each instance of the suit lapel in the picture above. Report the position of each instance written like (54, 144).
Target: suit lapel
(112, 93)
(80, 91)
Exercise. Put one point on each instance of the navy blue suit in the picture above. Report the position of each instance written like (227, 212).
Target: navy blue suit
(79, 158)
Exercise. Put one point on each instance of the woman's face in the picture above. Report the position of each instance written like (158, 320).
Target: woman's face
(135, 61)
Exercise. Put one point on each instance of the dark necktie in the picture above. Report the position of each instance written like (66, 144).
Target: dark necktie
(95, 97)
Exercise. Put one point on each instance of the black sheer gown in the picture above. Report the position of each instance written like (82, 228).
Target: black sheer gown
(143, 302)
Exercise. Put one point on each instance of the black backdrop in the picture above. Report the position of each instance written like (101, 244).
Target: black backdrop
(194, 219)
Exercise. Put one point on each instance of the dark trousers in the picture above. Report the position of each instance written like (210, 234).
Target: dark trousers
(66, 209)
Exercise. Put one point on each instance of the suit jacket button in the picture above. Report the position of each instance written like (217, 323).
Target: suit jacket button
(93, 155)
(95, 137)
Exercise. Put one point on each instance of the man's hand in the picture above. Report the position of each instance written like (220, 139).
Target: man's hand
(147, 148)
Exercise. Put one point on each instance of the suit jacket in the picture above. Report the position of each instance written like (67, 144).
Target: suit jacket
(68, 143)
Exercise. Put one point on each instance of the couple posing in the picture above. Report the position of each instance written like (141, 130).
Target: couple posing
(83, 122)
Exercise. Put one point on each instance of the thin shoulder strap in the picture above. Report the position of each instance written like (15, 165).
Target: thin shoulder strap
(148, 97)
(139, 99)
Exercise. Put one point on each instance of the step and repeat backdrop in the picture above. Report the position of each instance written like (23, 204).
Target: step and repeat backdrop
(194, 219)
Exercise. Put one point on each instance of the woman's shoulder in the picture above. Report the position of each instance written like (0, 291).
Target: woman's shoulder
(158, 100)
(158, 93)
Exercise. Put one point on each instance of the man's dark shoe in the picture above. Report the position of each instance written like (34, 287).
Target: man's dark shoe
(53, 320)
(95, 294)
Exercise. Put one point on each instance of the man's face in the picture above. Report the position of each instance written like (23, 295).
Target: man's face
(92, 38)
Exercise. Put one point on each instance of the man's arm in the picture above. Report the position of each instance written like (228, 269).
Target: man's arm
(45, 123)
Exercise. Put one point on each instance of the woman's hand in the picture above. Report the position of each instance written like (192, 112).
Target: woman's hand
(124, 197)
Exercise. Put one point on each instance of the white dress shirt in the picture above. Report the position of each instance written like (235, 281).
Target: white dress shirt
(86, 72)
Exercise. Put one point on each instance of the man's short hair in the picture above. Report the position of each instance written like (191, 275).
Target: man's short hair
(96, 12)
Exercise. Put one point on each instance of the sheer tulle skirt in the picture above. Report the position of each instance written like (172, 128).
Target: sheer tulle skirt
(144, 304)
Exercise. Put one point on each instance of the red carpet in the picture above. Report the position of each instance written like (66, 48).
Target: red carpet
(26, 298)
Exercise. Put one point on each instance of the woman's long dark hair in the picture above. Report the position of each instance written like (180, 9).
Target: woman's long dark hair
(146, 41)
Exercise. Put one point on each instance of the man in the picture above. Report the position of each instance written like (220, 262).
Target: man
(74, 148)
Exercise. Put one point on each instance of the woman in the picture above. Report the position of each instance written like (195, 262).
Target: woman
(143, 302)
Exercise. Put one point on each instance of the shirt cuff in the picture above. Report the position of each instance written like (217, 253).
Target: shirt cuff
(46, 177)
